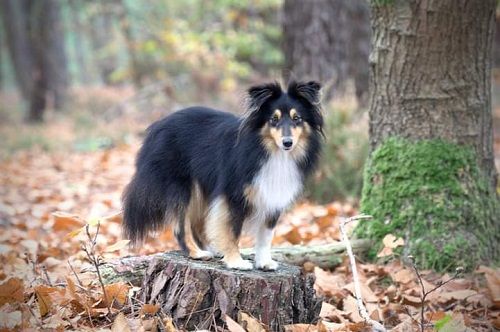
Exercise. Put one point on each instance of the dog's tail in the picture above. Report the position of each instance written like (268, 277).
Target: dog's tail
(144, 208)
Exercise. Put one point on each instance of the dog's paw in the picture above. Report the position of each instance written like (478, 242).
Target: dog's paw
(268, 265)
(241, 264)
(203, 255)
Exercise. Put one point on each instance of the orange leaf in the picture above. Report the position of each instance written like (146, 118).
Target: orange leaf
(293, 236)
(150, 309)
(11, 291)
(65, 221)
(46, 296)
(116, 292)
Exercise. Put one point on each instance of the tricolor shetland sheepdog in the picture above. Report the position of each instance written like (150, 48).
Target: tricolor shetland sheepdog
(212, 174)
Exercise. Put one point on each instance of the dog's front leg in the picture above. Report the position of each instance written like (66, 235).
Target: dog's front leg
(263, 242)
(221, 236)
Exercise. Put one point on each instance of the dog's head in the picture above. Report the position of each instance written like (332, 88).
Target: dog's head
(285, 120)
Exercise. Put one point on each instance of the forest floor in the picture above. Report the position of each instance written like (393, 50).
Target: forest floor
(48, 196)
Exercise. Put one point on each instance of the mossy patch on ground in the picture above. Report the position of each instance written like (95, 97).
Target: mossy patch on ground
(432, 194)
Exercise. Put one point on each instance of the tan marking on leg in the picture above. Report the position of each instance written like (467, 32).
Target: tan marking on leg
(194, 223)
(218, 230)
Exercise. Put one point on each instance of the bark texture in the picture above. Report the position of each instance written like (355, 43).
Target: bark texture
(430, 73)
(327, 40)
(328, 256)
(199, 294)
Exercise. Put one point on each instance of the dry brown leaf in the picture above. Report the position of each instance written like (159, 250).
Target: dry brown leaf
(403, 276)
(11, 291)
(367, 294)
(64, 221)
(117, 246)
(232, 326)
(390, 242)
(492, 281)
(293, 236)
(150, 309)
(116, 293)
(456, 295)
(249, 323)
(350, 307)
(120, 324)
(46, 296)
(328, 283)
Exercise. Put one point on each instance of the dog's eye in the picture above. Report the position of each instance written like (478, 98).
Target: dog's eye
(296, 118)
(274, 120)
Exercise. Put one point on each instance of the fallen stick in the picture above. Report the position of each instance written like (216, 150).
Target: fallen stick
(377, 327)
(133, 268)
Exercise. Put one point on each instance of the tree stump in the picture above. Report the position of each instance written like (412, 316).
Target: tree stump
(198, 294)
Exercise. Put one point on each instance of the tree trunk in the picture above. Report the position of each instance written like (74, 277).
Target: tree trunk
(102, 37)
(198, 295)
(327, 256)
(328, 41)
(38, 35)
(430, 87)
(15, 18)
(54, 54)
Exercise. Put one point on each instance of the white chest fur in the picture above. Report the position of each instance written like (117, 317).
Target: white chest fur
(277, 183)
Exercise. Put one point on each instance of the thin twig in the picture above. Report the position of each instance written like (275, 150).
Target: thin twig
(357, 288)
(91, 255)
(45, 273)
(75, 274)
(425, 293)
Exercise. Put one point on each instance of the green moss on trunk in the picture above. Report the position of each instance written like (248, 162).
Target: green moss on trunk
(432, 194)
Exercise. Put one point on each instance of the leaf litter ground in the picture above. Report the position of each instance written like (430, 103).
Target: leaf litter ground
(47, 281)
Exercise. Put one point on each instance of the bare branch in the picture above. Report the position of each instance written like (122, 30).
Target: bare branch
(357, 288)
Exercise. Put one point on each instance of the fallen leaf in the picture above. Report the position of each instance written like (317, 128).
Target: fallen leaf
(366, 293)
(120, 324)
(11, 291)
(403, 276)
(232, 326)
(293, 236)
(116, 293)
(456, 295)
(390, 242)
(249, 323)
(150, 309)
(65, 221)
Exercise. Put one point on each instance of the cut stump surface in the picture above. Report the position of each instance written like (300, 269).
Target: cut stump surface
(198, 294)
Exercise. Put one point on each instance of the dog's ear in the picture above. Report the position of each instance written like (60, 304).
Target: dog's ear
(257, 97)
(309, 91)
(260, 94)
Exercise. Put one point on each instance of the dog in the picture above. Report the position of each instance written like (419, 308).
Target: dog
(213, 175)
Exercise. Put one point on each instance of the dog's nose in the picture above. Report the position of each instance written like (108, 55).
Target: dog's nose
(287, 142)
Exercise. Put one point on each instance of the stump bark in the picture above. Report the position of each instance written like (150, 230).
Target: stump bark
(198, 294)
(132, 269)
